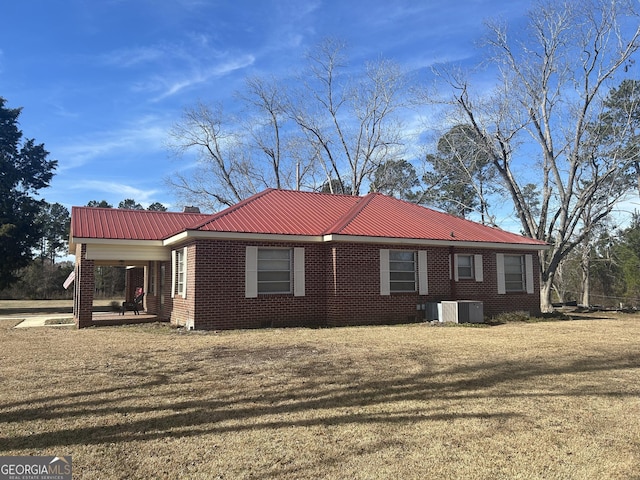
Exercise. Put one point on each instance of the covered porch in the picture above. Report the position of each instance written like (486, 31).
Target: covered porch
(126, 238)
(147, 267)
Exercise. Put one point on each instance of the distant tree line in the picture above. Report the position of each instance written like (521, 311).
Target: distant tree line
(614, 273)
(42, 278)
(128, 204)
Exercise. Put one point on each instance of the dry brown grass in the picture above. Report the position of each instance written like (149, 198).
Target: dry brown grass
(530, 400)
(13, 307)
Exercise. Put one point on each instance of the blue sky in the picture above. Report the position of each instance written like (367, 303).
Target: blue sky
(102, 81)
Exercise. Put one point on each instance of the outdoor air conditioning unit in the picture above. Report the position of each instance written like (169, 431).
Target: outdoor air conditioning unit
(431, 311)
(462, 311)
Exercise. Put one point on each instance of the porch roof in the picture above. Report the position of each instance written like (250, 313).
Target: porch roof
(126, 224)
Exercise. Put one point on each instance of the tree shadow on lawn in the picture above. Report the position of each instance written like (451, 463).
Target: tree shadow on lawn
(327, 394)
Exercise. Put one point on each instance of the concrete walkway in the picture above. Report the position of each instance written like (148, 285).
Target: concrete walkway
(99, 318)
(40, 320)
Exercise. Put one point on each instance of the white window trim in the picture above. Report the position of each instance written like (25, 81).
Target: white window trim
(422, 278)
(251, 272)
(477, 273)
(175, 273)
(528, 274)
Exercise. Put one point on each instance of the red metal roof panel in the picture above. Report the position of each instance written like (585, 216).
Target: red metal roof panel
(282, 212)
(121, 224)
(384, 216)
(374, 215)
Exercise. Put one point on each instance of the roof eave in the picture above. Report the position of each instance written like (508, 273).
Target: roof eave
(198, 234)
(435, 243)
(115, 241)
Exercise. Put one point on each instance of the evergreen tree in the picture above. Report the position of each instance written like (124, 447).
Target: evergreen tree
(99, 204)
(24, 170)
(157, 207)
(130, 204)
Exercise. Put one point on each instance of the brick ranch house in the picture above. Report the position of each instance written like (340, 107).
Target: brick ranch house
(291, 258)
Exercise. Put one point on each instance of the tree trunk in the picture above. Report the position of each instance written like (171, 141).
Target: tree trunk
(585, 265)
(545, 296)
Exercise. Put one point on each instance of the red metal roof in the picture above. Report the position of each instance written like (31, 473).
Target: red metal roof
(122, 224)
(286, 212)
(384, 216)
(374, 215)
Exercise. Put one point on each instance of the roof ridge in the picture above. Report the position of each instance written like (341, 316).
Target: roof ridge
(351, 214)
(231, 209)
(135, 210)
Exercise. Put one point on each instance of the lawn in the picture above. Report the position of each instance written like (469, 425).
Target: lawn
(552, 400)
(15, 307)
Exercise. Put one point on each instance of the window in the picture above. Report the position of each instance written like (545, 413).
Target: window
(402, 271)
(398, 272)
(465, 266)
(514, 278)
(515, 273)
(274, 270)
(179, 266)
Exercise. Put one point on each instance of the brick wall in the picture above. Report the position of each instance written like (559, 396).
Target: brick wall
(487, 290)
(165, 302)
(342, 288)
(218, 275)
(84, 288)
(183, 308)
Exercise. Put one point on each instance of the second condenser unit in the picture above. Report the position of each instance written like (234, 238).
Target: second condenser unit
(462, 311)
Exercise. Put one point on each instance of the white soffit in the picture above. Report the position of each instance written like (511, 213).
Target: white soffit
(127, 252)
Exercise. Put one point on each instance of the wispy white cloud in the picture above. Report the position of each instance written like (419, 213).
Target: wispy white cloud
(115, 189)
(166, 69)
(147, 135)
(128, 57)
(198, 76)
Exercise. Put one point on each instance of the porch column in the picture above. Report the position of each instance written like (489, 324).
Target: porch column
(84, 288)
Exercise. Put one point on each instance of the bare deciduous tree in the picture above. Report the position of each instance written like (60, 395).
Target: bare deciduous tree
(217, 177)
(552, 87)
(326, 133)
(350, 122)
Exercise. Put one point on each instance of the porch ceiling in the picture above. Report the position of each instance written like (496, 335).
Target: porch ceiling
(126, 254)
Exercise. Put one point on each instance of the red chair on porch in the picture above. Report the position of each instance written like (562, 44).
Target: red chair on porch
(135, 304)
